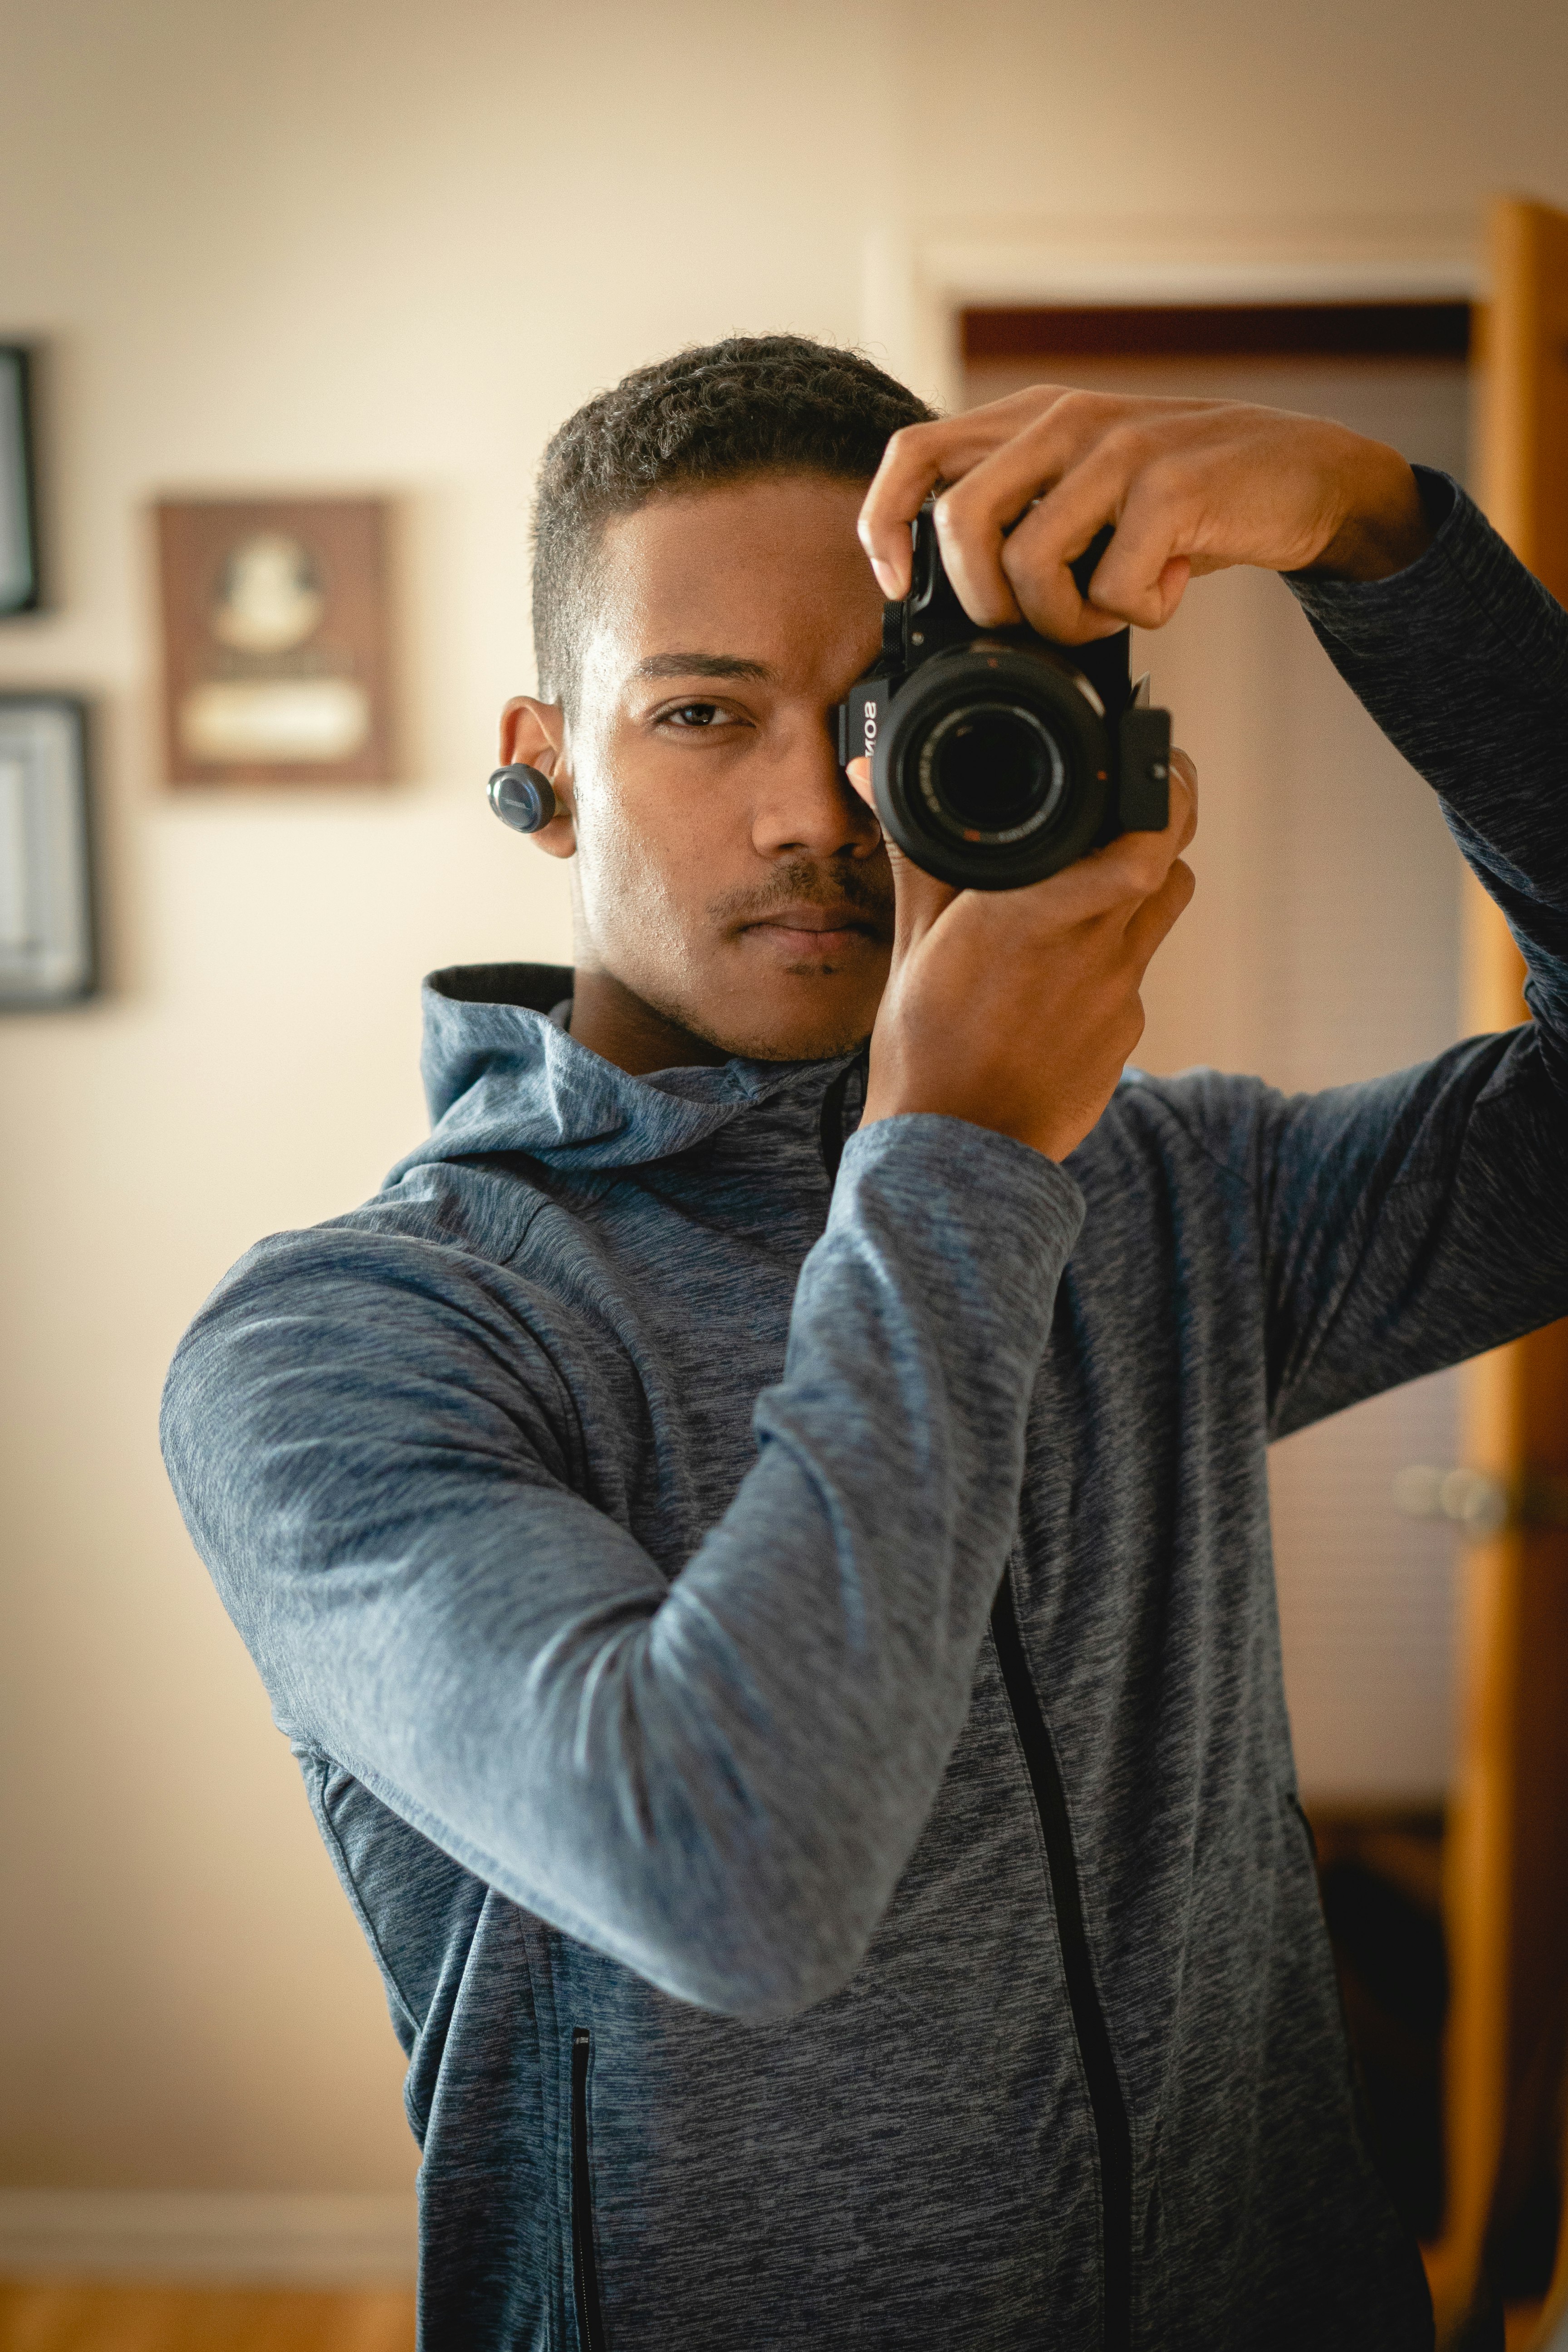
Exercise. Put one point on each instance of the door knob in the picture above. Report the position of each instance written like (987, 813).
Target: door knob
(1478, 1502)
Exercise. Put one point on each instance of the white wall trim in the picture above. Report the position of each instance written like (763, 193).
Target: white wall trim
(242, 2238)
(913, 286)
(1042, 273)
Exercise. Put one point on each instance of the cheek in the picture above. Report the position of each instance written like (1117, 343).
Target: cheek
(638, 871)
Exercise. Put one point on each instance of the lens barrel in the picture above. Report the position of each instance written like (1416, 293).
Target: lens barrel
(994, 767)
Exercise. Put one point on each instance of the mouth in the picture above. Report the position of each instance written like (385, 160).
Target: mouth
(805, 930)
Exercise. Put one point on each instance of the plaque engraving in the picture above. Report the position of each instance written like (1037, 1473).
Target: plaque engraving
(275, 628)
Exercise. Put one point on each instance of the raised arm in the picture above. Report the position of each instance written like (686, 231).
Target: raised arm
(1424, 1217)
(715, 1777)
(1421, 1218)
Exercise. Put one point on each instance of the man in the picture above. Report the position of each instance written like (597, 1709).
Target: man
(761, 1548)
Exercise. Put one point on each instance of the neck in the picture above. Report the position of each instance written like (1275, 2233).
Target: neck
(610, 1021)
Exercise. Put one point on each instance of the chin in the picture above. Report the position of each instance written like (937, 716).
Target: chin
(776, 1030)
(817, 1048)
(774, 1043)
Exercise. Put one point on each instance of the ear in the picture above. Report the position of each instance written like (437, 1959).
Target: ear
(533, 735)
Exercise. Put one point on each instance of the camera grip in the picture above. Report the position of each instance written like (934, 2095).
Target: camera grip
(1143, 797)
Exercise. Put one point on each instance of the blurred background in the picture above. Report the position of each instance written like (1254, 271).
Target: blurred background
(271, 250)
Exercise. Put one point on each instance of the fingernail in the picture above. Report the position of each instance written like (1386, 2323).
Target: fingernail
(887, 580)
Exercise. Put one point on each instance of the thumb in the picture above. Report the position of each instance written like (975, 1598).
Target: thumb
(918, 897)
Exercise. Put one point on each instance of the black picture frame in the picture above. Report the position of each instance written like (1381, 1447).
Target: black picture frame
(19, 588)
(48, 943)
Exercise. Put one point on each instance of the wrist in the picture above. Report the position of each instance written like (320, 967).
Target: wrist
(1051, 1139)
(1384, 527)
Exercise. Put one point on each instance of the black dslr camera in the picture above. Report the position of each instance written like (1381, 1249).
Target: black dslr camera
(998, 757)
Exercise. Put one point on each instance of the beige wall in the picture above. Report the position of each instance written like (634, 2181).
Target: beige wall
(390, 246)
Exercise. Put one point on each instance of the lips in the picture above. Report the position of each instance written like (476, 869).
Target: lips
(805, 917)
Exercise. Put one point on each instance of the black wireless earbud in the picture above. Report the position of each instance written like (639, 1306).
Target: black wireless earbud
(524, 798)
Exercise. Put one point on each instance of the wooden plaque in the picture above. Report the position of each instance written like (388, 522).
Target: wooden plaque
(276, 656)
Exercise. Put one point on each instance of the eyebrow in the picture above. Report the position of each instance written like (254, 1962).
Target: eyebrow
(700, 665)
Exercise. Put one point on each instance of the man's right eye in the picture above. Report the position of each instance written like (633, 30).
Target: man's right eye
(692, 714)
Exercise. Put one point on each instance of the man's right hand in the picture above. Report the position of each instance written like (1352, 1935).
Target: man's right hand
(1016, 1010)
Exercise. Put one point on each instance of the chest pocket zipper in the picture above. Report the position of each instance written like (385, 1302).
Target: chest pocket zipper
(585, 2254)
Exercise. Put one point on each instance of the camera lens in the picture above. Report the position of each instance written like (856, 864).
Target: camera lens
(991, 771)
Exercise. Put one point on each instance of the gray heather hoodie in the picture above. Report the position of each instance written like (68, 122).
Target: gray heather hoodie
(780, 1634)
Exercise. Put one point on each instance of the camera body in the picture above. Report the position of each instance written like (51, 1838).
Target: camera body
(998, 756)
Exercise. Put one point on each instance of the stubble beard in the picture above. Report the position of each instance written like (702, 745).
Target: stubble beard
(870, 896)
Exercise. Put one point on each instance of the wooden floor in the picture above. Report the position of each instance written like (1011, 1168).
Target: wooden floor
(73, 2317)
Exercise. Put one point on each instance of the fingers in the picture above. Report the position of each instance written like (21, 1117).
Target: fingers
(1124, 873)
(1000, 499)
(1184, 774)
(1133, 866)
(1188, 486)
(1160, 913)
(1141, 575)
(919, 457)
(1154, 913)
(1129, 876)
(917, 897)
(1030, 479)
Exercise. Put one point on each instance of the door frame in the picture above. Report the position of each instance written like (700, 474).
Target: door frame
(914, 285)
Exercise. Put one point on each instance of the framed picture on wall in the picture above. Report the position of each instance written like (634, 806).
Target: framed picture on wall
(47, 951)
(277, 665)
(18, 503)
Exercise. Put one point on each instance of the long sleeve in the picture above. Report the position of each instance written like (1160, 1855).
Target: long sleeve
(1422, 1217)
(715, 1777)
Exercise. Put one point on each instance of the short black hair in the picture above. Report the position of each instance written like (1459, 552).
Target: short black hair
(751, 405)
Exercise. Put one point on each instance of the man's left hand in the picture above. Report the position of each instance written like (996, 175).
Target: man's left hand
(1191, 486)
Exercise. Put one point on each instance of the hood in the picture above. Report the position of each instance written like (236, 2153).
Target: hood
(501, 1076)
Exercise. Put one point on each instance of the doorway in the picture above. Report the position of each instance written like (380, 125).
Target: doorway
(1323, 946)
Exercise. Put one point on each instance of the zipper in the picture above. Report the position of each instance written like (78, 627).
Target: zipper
(830, 1126)
(585, 2256)
(1110, 2125)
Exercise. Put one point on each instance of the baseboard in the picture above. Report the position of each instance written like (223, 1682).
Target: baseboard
(240, 2236)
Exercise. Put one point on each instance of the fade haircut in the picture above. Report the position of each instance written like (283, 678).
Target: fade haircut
(751, 405)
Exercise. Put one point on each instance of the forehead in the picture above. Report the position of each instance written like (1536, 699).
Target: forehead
(768, 568)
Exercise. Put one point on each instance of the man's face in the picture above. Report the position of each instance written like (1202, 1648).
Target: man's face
(724, 872)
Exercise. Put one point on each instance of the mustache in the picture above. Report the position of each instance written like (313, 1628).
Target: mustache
(864, 890)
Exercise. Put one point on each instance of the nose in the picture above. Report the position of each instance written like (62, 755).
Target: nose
(804, 808)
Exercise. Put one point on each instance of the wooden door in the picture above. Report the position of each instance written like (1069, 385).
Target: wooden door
(1507, 1874)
